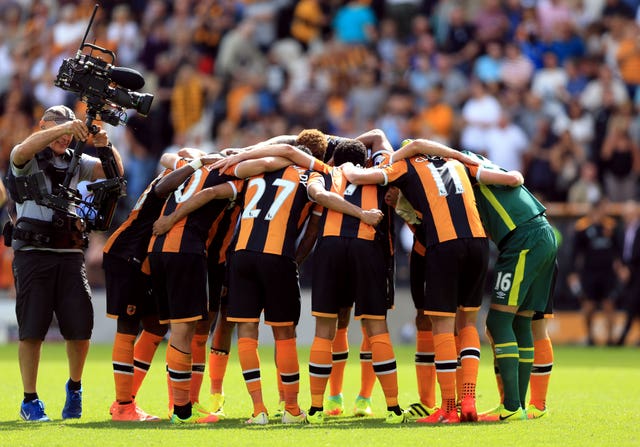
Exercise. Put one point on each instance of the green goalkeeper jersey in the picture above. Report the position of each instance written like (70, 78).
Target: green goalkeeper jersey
(503, 208)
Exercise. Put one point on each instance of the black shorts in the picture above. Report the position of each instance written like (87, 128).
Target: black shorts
(263, 281)
(52, 282)
(347, 271)
(455, 272)
(416, 278)
(179, 282)
(128, 289)
(216, 274)
(598, 286)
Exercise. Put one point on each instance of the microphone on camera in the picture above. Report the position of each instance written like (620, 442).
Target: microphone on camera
(126, 77)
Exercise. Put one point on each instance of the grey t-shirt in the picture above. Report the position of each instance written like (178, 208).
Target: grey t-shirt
(29, 208)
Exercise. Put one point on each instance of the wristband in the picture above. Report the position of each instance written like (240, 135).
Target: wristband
(195, 164)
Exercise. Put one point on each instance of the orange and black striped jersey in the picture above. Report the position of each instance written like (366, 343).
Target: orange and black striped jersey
(441, 193)
(191, 234)
(275, 209)
(221, 233)
(131, 238)
(334, 223)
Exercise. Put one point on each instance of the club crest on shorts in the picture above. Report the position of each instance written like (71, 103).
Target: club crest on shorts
(131, 309)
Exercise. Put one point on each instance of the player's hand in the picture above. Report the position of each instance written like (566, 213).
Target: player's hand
(162, 225)
(391, 197)
(372, 217)
(226, 162)
(77, 128)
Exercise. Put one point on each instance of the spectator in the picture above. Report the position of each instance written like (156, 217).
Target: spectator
(579, 123)
(480, 113)
(539, 173)
(586, 189)
(621, 157)
(517, 69)
(506, 143)
(629, 273)
(550, 81)
(354, 23)
(595, 253)
(628, 57)
(488, 66)
(436, 120)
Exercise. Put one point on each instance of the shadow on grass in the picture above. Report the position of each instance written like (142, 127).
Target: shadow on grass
(343, 423)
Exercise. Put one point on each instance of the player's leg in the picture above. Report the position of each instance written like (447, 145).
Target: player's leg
(320, 365)
(199, 356)
(219, 358)
(542, 366)
(245, 308)
(424, 357)
(334, 405)
(362, 405)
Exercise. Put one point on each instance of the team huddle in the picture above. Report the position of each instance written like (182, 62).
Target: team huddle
(215, 241)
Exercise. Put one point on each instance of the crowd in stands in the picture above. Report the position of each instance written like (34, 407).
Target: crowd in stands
(548, 87)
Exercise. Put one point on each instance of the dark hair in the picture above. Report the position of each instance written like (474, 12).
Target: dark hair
(349, 150)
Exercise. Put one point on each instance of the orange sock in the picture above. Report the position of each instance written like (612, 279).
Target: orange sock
(289, 372)
(384, 366)
(122, 361)
(425, 368)
(198, 356)
(367, 374)
(250, 364)
(541, 372)
(459, 381)
(319, 369)
(340, 350)
(179, 369)
(217, 368)
(470, 359)
(143, 352)
(446, 361)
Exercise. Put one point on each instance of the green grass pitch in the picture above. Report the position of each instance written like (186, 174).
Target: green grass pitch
(594, 399)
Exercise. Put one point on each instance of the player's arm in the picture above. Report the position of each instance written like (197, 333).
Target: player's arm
(499, 177)
(375, 139)
(335, 202)
(287, 151)
(222, 191)
(361, 176)
(424, 146)
(250, 168)
(167, 184)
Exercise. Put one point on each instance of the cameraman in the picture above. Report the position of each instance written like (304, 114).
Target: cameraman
(50, 274)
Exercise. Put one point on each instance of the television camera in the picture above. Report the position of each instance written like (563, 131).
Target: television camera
(107, 90)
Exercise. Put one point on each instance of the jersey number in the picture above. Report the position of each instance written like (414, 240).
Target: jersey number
(251, 212)
(186, 189)
(503, 281)
(443, 188)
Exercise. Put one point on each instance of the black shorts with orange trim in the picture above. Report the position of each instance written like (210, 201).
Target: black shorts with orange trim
(179, 282)
(455, 273)
(347, 271)
(128, 290)
(263, 282)
(216, 274)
